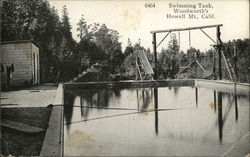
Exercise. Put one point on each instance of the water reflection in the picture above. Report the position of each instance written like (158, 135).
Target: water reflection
(118, 117)
(236, 107)
(196, 96)
(69, 99)
(219, 95)
(156, 110)
(235, 103)
(143, 99)
(87, 100)
(215, 104)
(231, 99)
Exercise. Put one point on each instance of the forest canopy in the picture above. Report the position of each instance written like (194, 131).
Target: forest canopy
(62, 57)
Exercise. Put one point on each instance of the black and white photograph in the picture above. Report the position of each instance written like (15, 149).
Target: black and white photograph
(125, 78)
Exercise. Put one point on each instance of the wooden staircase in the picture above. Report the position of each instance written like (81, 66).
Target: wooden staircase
(90, 74)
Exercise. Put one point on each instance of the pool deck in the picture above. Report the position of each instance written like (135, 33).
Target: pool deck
(37, 96)
(41, 96)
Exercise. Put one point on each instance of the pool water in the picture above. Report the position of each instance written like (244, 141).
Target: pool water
(167, 121)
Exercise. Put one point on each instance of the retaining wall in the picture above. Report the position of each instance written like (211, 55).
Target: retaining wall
(53, 141)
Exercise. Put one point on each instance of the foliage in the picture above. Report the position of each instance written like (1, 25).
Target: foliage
(168, 60)
(128, 67)
(129, 48)
(36, 20)
(206, 60)
(241, 48)
(99, 43)
(62, 58)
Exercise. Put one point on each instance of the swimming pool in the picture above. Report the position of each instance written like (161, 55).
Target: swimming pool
(154, 121)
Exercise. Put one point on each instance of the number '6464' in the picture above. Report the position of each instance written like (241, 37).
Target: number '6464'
(150, 5)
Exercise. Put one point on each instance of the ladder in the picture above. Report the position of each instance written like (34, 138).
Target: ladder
(230, 68)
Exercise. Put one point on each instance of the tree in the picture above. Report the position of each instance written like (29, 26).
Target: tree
(86, 31)
(129, 48)
(242, 48)
(169, 59)
(108, 40)
(164, 64)
(174, 50)
(66, 29)
(34, 20)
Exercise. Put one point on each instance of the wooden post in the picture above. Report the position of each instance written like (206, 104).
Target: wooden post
(136, 68)
(235, 63)
(219, 64)
(219, 45)
(214, 66)
(155, 55)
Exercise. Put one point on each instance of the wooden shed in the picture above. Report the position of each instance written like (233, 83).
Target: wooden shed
(19, 63)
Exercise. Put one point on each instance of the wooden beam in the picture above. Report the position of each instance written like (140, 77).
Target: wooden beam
(185, 29)
(20, 126)
(219, 47)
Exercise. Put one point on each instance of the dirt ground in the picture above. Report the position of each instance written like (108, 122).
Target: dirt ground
(22, 143)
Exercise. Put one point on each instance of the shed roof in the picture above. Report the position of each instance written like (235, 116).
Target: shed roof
(19, 41)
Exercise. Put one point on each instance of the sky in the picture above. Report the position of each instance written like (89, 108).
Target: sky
(135, 21)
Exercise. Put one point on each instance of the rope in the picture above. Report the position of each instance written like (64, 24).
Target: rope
(105, 108)
(113, 108)
(179, 36)
(123, 114)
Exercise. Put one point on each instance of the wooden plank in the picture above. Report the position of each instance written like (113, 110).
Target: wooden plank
(20, 126)
(184, 29)
(23, 71)
(22, 78)
(16, 57)
(35, 49)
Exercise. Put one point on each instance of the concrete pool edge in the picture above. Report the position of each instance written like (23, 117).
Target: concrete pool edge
(224, 86)
(220, 85)
(130, 83)
(53, 140)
